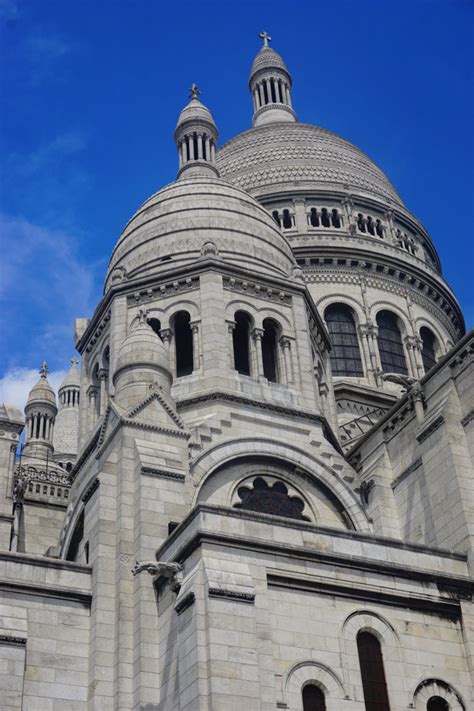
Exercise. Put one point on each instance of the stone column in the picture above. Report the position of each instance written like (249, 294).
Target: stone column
(388, 215)
(196, 349)
(92, 394)
(369, 365)
(199, 142)
(285, 344)
(191, 147)
(213, 152)
(412, 369)
(278, 98)
(230, 330)
(103, 376)
(261, 94)
(257, 336)
(207, 146)
(373, 332)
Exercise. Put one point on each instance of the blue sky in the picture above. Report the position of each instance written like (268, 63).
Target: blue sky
(90, 93)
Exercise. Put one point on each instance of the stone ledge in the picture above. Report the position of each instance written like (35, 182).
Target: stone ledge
(233, 595)
(41, 590)
(45, 562)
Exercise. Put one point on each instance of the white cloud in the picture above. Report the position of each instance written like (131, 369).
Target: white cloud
(17, 383)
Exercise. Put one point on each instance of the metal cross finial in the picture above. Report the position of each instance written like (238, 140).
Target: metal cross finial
(43, 371)
(74, 361)
(194, 91)
(266, 38)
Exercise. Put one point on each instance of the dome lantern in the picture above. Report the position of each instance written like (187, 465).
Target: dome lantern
(270, 86)
(196, 137)
(40, 413)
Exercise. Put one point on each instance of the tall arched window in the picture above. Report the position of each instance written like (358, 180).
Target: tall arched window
(372, 672)
(183, 339)
(390, 344)
(313, 698)
(155, 325)
(345, 352)
(76, 539)
(269, 350)
(428, 349)
(437, 703)
(241, 342)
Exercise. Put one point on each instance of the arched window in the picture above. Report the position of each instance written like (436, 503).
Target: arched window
(390, 344)
(379, 228)
(372, 672)
(183, 339)
(155, 325)
(287, 221)
(370, 226)
(345, 352)
(276, 217)
(325, 221)
(77, 537)
(313, 217)
(437, 703)
(360, 222)
(428, 349)
(336, 220)
(241, 342)
(269, 350)
(313, 698)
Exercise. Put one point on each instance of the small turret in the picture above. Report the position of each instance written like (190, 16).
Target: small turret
(67, 420)
(196, 138)
(270, 86)
(40, 413)
(142, 362)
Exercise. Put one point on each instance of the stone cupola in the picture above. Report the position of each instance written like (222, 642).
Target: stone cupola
(142, 364)
(196, 137)
(270, 86)
(67, 420)
(40, 413)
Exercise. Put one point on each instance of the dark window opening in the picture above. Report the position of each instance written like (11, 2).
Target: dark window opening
(204, 145)
(325, 221)
(428, 350)
(379, 229)
(313, 698)
(271, 499)
(276, 217)
(86, 551)
(371, 226)
(360, 223)
(265, 93)
(68, 466)
(336, 220)
(171, 527)
(155, 325)
(287, 222)
(372, 672)
(241, 342)
(345, 352)
(437, 703)
(195, 144)
(183, 339)
(392, 354)
(313, 217)
(272, 86)
(269, 350)
(76, 539)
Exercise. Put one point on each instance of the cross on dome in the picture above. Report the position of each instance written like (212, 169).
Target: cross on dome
(194, 91)
(43, 371)
(266, 38)
(74, 361)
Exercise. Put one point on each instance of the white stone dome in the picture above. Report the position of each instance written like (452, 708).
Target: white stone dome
(281, 156)
(267, 58)
(193, 112)
(41, 393)
(142, 348)
(194, 216)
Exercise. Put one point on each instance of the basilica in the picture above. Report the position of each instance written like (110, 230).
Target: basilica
(255, 489)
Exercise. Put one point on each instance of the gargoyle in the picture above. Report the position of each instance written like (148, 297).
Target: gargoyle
(406, 381)
(156, 567)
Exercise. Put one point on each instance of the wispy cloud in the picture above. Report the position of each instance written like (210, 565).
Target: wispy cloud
(45, 284)
(17, 383)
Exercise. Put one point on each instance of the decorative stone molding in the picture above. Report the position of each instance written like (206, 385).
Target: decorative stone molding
(406, 472)
(436, 687)
(234, 595)
(91, 490)
(162, 473)
(468, 418)
(96, 334)
(167, 289)
(12, 641)
(431, 429)
(259, 290)
(185, 603)
(319, 674)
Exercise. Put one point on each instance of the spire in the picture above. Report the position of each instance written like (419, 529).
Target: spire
(270, 86)
(196, 137)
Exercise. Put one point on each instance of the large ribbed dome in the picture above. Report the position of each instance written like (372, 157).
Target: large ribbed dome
(288, 155)
(197, 216)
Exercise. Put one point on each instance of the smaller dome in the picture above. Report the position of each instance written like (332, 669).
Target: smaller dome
(195, 111)
(143, 349)
(42, 392)
(267, 58)
(73, 377)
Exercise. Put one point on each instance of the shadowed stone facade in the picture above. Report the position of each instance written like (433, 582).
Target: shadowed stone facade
(265, 461)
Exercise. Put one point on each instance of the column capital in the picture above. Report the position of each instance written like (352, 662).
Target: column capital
(103, 373)
(257, 334)
(92, 391)
(166, 335)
